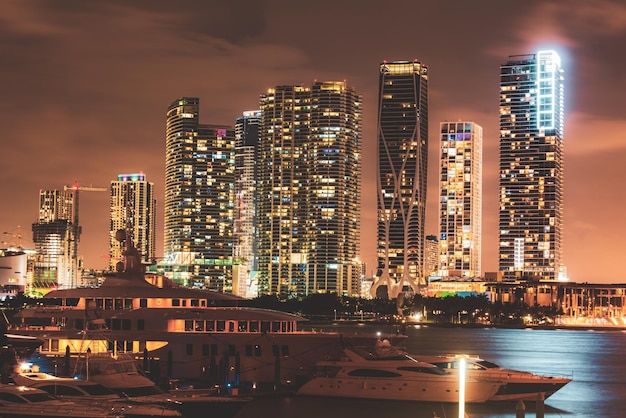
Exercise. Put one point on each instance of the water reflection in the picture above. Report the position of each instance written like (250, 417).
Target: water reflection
(593, 358)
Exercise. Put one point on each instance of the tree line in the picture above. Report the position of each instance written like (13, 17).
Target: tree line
(453, 309)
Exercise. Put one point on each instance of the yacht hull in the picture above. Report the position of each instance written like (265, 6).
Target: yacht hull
(528, 391)
(446, 391)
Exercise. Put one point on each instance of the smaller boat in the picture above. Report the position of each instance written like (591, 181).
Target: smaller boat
(399, 377)
(121, 375)
(25, 402)
(88, 392)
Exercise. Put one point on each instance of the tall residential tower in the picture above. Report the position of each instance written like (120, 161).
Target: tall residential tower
(245, 282)
(55, 237)
(133, 209)
(531, 167)
(460, 200)
(402, 170)
(309, 190)
(199, 196)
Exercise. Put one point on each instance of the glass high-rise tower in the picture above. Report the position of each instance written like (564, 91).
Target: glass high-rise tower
(460, 200)
(309, 190)
(56, 236)
(282, 239)
(531, 167)
(402, 176)
(334, 189)
(133, 209)
(199, 198)
(245, 228)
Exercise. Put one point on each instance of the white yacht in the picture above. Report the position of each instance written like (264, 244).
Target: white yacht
(516, 385)
(89, 392)
(117, 379)
(393, 378)
(206, 337)
(24, 402)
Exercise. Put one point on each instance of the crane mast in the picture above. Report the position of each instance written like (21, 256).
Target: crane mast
(76, 229)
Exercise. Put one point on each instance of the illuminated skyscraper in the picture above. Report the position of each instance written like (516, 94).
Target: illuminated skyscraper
(199, 198)
(402, 170)
(245, 247)
(281, 187)
(531, 166)
(334, 189)
(133, 209)
(309, 190)
(54, 236)
(460, 202)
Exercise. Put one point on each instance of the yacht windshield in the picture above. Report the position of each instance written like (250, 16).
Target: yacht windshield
(38, 397)
(418, 369)
(488, 364)
(140, 391)
(96, 390)
(373, 373)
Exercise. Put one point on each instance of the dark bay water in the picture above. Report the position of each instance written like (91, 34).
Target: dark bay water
(595, 360)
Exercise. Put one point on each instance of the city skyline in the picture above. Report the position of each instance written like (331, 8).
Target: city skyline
(87, 85)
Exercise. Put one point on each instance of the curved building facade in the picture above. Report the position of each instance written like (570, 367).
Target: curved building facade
(13, 272)
(402, 177)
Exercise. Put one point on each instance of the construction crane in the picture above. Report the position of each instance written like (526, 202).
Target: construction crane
(77, 189)
(85, 189)
(75, 225)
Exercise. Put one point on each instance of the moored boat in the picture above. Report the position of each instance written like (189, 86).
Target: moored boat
(88, 392)
(25, 402)
(399, 378)
(115, 382)
(121, 375)
(516, 385)
(202, 336)
(195, 335)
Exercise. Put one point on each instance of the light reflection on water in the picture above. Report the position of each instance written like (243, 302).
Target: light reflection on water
(593, 358)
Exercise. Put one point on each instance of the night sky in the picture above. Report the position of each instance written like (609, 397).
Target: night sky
(85, 87)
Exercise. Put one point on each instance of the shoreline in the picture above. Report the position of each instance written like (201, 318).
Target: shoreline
(339, 322)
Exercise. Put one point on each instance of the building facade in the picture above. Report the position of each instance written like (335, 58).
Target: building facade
(199, 199)
(133, 209)
(460, 200)
(13, 272)
(402, 169)
(334, 189)
(245, 282)
(56, 236)
(309, 190)
(531, 167)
